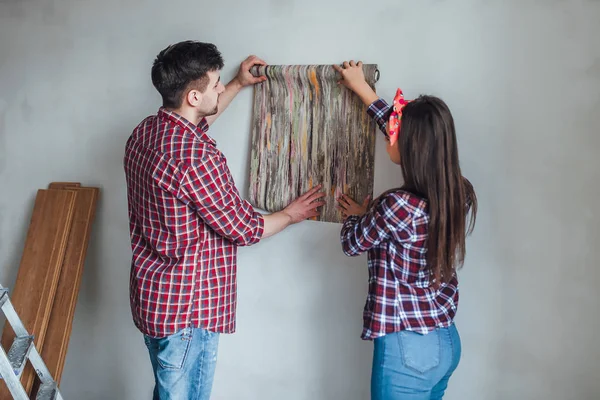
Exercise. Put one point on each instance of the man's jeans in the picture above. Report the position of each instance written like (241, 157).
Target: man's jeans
(183, 364)
(411, 366)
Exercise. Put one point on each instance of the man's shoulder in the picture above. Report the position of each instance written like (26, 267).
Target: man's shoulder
(173, 141)
(191, 150)
(143, 130)
(169, 137)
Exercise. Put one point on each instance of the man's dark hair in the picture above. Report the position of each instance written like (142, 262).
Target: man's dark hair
(181, 66)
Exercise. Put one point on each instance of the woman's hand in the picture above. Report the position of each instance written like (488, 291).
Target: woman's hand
(350, 207)
(353, 78)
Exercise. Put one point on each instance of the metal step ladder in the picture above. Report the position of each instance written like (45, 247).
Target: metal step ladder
(23, 349)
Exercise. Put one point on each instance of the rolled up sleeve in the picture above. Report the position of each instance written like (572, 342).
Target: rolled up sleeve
(211, 189)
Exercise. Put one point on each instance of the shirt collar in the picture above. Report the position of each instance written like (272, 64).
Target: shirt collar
(200, 130)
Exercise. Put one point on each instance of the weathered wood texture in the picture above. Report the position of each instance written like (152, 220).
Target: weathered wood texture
(309, 130)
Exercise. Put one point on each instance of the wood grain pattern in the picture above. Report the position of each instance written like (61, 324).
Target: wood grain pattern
(308, 130)
(58, 333)
(39, 270)
(63, 185)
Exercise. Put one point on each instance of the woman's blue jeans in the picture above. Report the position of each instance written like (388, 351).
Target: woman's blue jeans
(411, 366)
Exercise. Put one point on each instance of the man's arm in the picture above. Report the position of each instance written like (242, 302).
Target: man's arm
(243, 78)
(209, 190)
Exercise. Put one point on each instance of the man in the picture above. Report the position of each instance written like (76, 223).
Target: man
(187, 219)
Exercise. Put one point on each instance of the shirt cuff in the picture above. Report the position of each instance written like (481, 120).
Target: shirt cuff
(260, 228)
(378, 108)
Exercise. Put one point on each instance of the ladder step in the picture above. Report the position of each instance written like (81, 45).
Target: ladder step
(18, 353)
(47, 391)
(3, 296)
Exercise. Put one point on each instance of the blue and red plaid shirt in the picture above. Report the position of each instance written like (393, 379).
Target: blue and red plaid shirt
(394, 233)
(186, 221)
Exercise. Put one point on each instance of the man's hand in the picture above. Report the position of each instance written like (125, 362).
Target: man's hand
(350, 207)
(244, 77)
(302, 208)
(305, 206)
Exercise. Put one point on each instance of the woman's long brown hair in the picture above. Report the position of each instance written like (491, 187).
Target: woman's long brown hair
(431, 169)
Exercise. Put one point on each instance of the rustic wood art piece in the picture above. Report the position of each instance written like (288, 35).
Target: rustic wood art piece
(307, 130)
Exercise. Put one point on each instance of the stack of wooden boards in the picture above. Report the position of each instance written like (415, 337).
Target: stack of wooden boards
(45, 293)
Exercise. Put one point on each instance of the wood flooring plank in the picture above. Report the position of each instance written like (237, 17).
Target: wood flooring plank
(56, 343)
(39, 270)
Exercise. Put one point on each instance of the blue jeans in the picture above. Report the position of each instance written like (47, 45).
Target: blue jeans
(411, 366)
(183, 364)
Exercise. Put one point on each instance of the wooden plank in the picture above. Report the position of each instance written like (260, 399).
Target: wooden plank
(56, 343)
(39, 270)
(63, 185)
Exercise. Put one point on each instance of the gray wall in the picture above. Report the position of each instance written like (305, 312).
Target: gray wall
(523, 81)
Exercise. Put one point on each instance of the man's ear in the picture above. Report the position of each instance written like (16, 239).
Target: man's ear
(193, 98)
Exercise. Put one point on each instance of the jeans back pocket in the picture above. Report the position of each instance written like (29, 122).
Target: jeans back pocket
(420, 353)
(171, 351)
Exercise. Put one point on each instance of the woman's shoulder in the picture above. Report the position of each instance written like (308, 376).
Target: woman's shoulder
(405, 196)
(410, 202)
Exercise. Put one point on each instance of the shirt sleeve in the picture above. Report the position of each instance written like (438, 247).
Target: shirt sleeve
(391, 217)
(380, 111)
(212, 192)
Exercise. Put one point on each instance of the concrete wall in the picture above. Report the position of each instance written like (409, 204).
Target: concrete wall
(523, 81)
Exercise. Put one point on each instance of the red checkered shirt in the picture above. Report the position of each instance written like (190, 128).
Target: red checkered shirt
(186, 221)
(394, 233)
